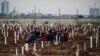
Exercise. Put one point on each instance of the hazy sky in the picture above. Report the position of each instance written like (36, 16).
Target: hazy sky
(52, 6)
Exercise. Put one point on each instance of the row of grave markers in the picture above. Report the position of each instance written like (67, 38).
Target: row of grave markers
(56, 43)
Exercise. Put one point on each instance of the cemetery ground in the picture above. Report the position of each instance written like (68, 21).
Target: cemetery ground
(84, 40)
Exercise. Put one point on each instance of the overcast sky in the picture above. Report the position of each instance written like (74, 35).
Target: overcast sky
(52, 6)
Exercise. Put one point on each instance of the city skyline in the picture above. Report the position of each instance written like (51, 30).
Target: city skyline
(52, 6)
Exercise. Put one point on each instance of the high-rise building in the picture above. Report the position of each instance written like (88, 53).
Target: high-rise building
(4, 7)
(94, 12)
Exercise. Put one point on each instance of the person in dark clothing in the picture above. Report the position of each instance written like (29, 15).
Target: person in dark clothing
(37, 33)
(51, 35)
(31, 37)
(61, 38)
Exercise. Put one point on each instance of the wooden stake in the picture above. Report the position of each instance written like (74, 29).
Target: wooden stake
(16, 52)
(7, 33)
(18, 36)
(59, 39)
(4, 34)
(34, 48)
(84, 46)
(77, 51)
(22, 50)
(26, 47)
(91, 42)
(97, 38)
(2, 31)
(5, 40)
(15, 34)
(20, 30)
(56, 42)
(42, 44)
(15, 40)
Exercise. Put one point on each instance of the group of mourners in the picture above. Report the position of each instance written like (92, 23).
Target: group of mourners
(47, 35)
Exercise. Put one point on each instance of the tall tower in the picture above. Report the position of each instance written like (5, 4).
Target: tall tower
(77, 12)
(94, 11)
(4, 7)
(59, 16)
